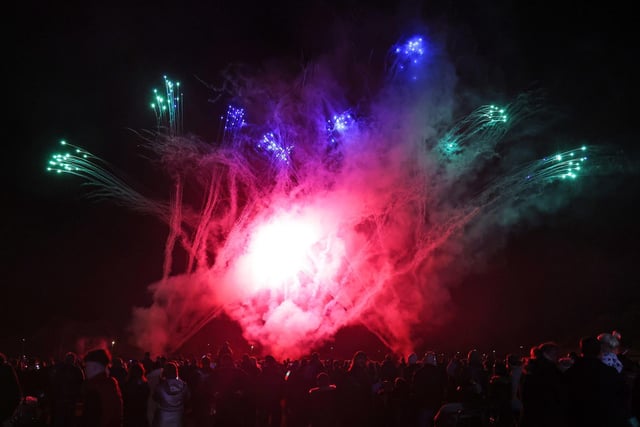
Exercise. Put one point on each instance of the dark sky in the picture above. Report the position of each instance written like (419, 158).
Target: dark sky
(74, 266)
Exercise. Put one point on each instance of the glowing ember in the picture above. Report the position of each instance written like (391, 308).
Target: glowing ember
(281, 251)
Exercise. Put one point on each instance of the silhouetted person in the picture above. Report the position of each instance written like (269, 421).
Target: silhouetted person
(597, 394)
(429, 385)
(202, 393)
(118, 370)
(514, 365)
(389, 369)
(499, 396)
(250, 366)
(479, 375)
(66, 389)
(153, 378)
(135, 397)
(270, 392)
(225, 349)
(323, 403)
(147, 362)
(468, 405)
(230, 386)
(630, 366)
(101, 396)
(402, 404)
(356, 395)
(10, 391)
(635, 401)
(410, 368)
(543, 390)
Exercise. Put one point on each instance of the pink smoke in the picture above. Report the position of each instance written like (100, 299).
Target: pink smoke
(357, 231)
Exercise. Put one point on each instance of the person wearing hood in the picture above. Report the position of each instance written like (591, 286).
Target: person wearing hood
(170, 395)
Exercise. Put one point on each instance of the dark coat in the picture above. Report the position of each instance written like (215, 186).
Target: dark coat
(101, 402)
(10, 392)
(429, 385)
(544, 397)
(135, 396)
(597, 395)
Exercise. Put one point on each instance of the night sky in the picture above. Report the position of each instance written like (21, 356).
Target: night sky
(75, 267)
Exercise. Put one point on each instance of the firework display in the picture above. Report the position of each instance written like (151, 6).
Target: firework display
(313, 214)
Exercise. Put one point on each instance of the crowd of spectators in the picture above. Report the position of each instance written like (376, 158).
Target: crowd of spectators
(595, 386)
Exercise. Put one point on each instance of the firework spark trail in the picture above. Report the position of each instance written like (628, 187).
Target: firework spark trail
(97, 175)
(174, 228)
(474, 138)
(314, 215)
(169, 109)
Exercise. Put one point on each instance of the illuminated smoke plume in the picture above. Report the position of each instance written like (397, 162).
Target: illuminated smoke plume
(310, 214)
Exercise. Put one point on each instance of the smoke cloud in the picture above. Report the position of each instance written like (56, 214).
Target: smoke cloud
(318, 209)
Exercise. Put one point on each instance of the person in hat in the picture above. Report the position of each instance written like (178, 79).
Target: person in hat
(101, 396)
